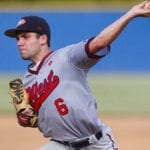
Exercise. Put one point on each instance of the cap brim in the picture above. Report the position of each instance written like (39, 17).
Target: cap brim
(11, 33)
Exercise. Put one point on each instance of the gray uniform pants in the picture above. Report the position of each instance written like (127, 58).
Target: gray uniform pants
(105, 143)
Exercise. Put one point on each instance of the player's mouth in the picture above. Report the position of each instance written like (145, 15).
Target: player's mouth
(22, 50)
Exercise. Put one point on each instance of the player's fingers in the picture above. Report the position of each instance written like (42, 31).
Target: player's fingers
(142, 4)
(27, 111)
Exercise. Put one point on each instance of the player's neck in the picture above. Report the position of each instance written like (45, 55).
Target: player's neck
(41, 55)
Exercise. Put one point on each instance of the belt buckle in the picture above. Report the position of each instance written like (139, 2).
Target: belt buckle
(79, 143)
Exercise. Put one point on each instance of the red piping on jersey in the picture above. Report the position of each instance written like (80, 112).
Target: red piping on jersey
(40, 65)
(90, 55)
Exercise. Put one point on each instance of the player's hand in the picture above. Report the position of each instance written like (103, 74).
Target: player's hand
(27, 118)
(28, 111)
(142, 9)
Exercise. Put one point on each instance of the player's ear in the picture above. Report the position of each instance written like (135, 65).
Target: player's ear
(43, 39)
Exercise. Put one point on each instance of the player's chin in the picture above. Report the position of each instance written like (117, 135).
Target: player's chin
(24, 57)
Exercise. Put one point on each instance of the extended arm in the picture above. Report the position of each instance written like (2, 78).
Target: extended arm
(110, 33)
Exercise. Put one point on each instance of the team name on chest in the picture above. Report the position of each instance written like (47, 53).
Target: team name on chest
(39, 91)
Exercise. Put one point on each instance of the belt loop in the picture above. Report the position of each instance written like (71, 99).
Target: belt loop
(98, 135)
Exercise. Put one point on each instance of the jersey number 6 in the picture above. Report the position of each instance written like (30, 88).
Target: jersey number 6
(61, 107)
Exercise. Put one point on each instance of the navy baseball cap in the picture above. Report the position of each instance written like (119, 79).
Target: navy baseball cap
(30, 24)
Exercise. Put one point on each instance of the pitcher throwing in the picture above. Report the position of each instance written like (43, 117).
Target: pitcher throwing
(57, 87)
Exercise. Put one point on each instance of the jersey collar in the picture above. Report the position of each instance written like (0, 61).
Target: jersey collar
(36, 71)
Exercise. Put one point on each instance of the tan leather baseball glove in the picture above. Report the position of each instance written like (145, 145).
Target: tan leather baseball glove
(25, 113)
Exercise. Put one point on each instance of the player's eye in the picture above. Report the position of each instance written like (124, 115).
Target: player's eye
(25, 36)
(17, 38)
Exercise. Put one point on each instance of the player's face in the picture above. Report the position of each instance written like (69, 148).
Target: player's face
(29, 45)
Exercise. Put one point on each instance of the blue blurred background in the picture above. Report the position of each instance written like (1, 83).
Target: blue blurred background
(129, 52)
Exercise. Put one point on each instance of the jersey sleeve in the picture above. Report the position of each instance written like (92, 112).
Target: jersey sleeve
(80, 56)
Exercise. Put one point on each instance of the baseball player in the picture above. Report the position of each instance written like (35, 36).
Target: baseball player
(56, 83)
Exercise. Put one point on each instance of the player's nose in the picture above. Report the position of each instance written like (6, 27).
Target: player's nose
(20, 42)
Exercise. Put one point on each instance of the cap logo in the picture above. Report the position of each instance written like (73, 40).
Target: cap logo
(21, 22)
(39, 28)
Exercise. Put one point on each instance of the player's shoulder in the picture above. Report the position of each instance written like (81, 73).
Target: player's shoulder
(68, 48)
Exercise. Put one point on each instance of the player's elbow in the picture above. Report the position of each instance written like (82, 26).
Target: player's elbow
(98, 43)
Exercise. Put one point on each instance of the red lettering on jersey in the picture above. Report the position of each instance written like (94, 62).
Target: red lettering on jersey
(38, 92)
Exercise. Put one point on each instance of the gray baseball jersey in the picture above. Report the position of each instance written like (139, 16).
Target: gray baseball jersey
(59, 92)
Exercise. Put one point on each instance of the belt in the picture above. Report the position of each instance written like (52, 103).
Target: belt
(82, 142)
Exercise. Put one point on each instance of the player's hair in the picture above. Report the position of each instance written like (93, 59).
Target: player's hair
(48, 40)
